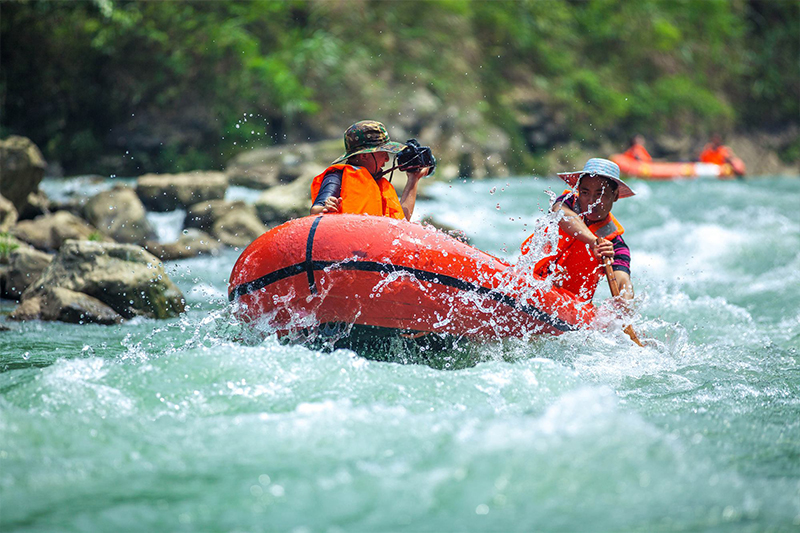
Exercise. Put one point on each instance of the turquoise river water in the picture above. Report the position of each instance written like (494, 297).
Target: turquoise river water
(174, 426)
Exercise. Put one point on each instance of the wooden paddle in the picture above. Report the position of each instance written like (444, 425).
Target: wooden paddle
(612, 284)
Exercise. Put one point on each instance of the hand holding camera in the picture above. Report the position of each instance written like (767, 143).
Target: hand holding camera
(414, 158)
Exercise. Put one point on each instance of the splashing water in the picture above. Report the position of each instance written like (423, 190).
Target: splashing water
(180, 426)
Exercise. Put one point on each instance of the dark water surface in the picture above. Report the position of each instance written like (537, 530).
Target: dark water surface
(173, 426)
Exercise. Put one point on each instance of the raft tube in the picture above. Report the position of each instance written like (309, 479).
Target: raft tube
(659, 170)
(391, 277)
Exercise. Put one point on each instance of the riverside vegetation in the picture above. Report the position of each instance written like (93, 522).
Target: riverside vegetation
(125, 88)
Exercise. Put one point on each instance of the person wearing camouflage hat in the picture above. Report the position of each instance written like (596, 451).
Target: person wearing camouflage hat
(588, 234)
(354, 182)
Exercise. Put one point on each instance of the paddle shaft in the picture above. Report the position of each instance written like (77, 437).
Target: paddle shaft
(612, 285)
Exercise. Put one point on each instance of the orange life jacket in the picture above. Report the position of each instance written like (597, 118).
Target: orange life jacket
(577, 269)
(638, 152)
(362, 193)
(718, 155)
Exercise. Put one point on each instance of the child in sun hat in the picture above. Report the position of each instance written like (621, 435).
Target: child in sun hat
(587, 232)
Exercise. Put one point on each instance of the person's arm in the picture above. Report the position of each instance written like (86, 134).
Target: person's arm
(625, 285)
(328, 200)
(727, 153)
(333, 204)
(572, 224)
(622, 273)
(409, 197)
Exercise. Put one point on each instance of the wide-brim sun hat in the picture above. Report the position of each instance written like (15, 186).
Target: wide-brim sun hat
(598, 167)
(366, 137)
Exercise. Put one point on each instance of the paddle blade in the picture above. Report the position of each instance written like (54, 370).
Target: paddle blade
(632, 335)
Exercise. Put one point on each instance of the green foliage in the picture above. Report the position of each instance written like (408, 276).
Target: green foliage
(791, 154)
(770, 85)
(162, 86)
(7, 245)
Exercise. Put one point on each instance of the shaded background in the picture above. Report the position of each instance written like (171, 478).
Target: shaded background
(120, 87)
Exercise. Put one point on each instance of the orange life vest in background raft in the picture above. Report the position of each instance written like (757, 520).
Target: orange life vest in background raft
(718, 155)
(362, 194)
(638, 152)
(573, 263)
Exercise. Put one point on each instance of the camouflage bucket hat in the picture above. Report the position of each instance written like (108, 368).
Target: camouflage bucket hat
(365, 137)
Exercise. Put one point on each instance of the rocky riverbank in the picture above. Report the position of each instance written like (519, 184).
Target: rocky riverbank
(98, 260)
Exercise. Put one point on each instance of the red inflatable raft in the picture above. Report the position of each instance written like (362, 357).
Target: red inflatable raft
(659, 170)
(346, 274)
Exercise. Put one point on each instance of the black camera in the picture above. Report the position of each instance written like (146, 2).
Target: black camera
(415, 157)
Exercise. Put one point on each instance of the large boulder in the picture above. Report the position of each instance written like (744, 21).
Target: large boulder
(48, 232)
(21, 169)
(234, 223)
(279, 204)
(124, 277)
(37, 204)
(268, 167)
(238, 228)
(64, 305)
(204, 215)
(8, 215)
(167, 192)
(121, 215)
(25, 266)
(191, 243)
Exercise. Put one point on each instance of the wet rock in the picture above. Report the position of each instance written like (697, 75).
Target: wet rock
(120, 214)
(269, 167)
(191, 243)
(167, 192)
(124, 277)
(65, 305)
(234, 223)
(25, 266)
(76, 206)
(253, 173)
(279, 204)
(9, 243)
(21, 169)
(204, 215)
(8, 214)
(48, 232)
(238, 228)
(36, 205)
